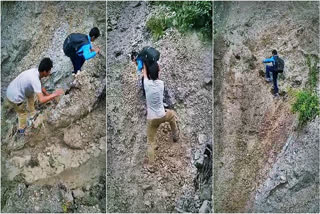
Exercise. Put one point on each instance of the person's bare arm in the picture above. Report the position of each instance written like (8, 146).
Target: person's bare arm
(44, 91)
(95, 49)
(43, 98)
(144, 70)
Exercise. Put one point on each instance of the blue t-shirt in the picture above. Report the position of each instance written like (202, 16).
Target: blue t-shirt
(140, 66)
(85, 50)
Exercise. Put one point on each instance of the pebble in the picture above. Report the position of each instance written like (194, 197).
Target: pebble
(147, 187)
(147, 203)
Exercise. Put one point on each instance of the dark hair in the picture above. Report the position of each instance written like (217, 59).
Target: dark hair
(94, 32)
(134, 54)
(153, 71)
(274, 52)
(45, 65)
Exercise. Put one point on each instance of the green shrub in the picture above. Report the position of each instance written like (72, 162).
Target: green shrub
(306, 102)
(185, 16)
(313, 73)
(157, 26)
(307, 105)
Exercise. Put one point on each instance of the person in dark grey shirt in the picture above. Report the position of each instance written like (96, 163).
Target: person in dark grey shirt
(156, 114)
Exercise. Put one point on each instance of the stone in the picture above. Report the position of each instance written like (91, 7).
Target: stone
(202, 139)
(206, 192)
(78, 193)
(137, 5)
(205, 207)
(208, 81)
(146, 187)
(147, 203)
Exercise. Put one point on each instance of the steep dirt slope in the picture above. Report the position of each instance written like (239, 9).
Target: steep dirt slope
(48, 172)
(251, 127)
(185, 65)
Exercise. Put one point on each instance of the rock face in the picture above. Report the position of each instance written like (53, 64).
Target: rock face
(252, 172)
(185, 66)
(66, 145)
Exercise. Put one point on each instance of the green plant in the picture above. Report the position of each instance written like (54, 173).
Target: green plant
(157, 26)
(307, 105)
(313, 73)
(306, 102)
(185, 16)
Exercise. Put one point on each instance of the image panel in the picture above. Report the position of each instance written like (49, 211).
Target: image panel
(53, 107)
(266, 120)
(159, 128)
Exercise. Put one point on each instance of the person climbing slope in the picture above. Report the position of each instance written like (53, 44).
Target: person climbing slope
(156, 114)
(24, 87)
(146, 55)
(79, 48)
(276, 67)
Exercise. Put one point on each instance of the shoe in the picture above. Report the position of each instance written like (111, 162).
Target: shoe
(19, 140)
(175, 136)
(268, 80)
(276, 95)
(149, 167)
(32, 118)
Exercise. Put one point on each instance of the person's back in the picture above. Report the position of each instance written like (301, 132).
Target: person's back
(154, 96)
(24, 85)
(79, 48)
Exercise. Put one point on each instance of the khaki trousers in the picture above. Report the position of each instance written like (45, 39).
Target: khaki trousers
(152, 126)
(22, 111)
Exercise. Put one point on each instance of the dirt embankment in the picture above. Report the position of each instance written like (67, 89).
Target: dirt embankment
(186, 69)
(49, 171)
(253, 129)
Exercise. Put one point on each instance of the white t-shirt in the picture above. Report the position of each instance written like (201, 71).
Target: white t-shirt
(154, 94)
(24, 85)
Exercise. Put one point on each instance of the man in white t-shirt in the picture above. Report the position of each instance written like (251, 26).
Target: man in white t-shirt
(156, 114)
(24, 87)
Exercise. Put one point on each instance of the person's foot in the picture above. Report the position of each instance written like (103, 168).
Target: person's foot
(268, 80)
(175, 136)
(75, 73)
(150, 167)
(32, 118)
(19, 141)
(276, 95)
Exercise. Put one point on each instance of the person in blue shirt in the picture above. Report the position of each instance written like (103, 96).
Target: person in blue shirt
(139, 64)
(86, 52)
(272, 69)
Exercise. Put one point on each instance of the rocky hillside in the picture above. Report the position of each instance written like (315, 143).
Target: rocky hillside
(186, 68)
(60, 167)
(264, 161)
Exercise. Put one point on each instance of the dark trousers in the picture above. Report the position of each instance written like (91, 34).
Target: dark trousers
(144, 92)
(77, 62)
(274, 77)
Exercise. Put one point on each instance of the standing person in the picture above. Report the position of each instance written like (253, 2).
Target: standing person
(24, 87)
(78, 47)
(273, 68)
(156, 114)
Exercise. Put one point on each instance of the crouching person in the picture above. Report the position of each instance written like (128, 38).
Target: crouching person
(22, 90)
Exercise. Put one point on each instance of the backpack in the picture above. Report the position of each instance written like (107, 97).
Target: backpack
(279, 64)
(73, 43)
(149, 55)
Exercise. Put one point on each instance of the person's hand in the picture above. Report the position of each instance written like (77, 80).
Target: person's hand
(97, 50)
(59, 92)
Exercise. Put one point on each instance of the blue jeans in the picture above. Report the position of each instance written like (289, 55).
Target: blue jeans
(274, 77)
(77, 62)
